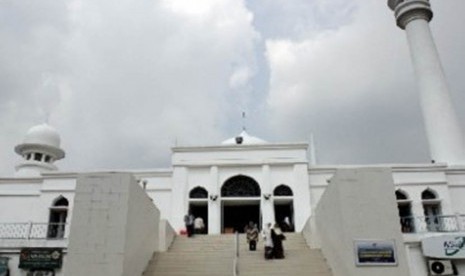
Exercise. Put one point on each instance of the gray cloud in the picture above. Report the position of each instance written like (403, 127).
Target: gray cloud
(124, 81)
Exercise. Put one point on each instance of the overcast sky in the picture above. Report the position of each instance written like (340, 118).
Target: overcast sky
(123, 81)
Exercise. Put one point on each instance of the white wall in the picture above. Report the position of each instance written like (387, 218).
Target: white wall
(359, 204)
(115, 227)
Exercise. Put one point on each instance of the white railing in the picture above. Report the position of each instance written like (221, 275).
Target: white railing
(439, 223)
(236, 254)
(32, 230)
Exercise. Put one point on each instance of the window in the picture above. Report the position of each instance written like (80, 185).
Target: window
(47, 158)
(198, 192)
(432, 210)
(404, 207)
(38, 156)
(282, 190)
(57, 219)
(240, 186)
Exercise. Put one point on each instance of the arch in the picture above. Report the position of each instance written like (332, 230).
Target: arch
(404, 207)
(401, 195)
(432, 210)
(198, 192)
(282, 190)
(60, 201)
(57, 218)
(429, 194)
(240, 186)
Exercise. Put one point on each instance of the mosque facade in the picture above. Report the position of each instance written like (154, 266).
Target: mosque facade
(245, 178)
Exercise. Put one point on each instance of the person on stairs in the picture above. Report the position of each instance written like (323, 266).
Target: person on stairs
(252, 235)
(268, 241)
(189, 221)
(277, 236)
(199, 226)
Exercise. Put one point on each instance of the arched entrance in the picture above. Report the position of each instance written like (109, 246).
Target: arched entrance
(240, 203)
(284, 207)
(198, 205)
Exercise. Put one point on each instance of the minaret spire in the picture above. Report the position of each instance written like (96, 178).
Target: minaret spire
(443, 131)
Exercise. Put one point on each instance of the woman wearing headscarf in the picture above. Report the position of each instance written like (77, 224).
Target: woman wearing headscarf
(268, 241)
(252, 236)
(277, 236)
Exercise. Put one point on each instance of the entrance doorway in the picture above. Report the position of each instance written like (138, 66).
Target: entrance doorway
(284, 214)
(200, 209)
(240, 203)
(236, 215)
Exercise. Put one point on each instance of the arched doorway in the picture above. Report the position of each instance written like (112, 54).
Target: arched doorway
(198, 205)
(284, 207)
(240, 203)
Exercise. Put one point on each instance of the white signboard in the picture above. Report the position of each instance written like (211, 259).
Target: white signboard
(445, 247)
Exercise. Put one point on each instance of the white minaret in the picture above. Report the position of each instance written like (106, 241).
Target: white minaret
(40, 149)
(445, 137)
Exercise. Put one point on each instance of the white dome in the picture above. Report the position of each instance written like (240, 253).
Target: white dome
(244, 139)
(44, 135)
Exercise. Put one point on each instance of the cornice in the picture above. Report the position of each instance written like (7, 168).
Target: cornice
(254, 147)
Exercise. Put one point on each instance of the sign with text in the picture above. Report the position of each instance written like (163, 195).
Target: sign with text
(375, 252)
(41, 258)
(445, 247)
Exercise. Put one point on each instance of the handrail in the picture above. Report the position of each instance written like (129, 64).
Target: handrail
(436, 223)
(236, 254)
(33, 230)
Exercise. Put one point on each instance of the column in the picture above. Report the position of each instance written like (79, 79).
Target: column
(214, 203)
(179, 198)
(266, 205)
(443, 131)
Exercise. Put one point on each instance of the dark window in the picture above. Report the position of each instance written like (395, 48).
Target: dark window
(57, 220)
(38, 157)
(428, 194)
(282, 190)
(28, 156)
(400, 195)
(198, 192)
(47, 158)
(240, 186)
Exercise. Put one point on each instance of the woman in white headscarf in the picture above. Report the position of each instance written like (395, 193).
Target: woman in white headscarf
(268, 241)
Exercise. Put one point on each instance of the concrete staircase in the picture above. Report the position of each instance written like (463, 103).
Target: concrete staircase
(212, 255)
(299, 259)
(206, 255)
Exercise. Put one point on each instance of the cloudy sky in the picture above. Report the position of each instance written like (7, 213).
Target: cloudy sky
(123, 81)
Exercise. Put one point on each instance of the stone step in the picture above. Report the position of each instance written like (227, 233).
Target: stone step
(213, 255)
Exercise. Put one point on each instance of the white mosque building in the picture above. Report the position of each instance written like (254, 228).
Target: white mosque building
(246, 178)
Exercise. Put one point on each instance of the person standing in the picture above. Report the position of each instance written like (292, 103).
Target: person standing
(277, 236)
(189, 222)
(268, 241)
(252, 236)
(198, 225)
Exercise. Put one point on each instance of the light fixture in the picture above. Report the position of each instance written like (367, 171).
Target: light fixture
(213, 197)
(266, 196)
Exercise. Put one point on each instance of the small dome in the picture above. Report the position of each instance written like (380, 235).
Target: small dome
(243, 139)
(44, 135)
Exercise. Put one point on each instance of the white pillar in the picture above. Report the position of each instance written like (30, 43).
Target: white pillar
(179, 198)
(443, 131)
(267, 206)
(214, 206)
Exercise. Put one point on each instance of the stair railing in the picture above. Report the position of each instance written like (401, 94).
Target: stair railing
(236, 254)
